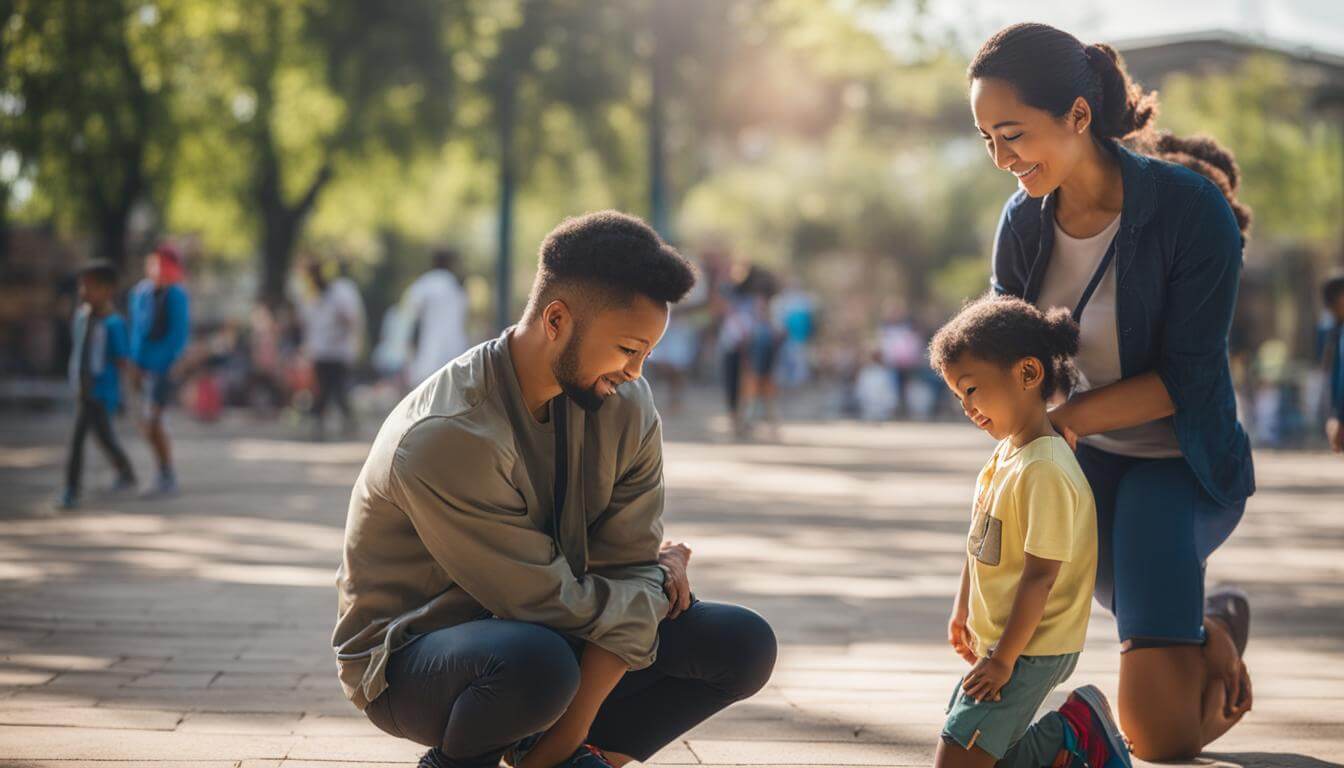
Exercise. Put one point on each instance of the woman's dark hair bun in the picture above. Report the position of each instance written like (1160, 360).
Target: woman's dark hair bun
(1125, 108)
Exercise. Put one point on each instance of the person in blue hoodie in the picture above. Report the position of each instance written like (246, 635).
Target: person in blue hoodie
(99, 352)
(160, 325)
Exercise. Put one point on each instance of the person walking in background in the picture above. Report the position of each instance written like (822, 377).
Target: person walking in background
(100, 352)
(333, 336)
(760, 391)
(160, 325)
(1332, 354)
(795, 311)
(435, 314)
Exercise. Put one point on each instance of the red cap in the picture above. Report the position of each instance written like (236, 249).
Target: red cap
(167, 251)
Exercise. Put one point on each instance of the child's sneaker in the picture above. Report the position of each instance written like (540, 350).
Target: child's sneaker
(1092, 740)
(69, 499)
(165, 486)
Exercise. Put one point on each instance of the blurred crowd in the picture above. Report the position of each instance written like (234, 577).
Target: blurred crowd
(752, 336)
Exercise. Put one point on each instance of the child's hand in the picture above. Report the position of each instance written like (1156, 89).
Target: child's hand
(987, 678)
(959, 637)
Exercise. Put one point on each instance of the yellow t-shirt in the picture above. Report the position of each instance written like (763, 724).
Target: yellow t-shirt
(1033, 499)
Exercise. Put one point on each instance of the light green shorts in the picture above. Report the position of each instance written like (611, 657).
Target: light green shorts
(995, 726)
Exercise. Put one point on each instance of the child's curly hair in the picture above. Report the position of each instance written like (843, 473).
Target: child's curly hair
(1004, 329)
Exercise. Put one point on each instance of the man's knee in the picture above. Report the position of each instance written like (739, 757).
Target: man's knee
(541, 663)
(749, 650)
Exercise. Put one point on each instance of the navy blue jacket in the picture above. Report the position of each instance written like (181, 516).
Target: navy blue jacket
(1178, 264)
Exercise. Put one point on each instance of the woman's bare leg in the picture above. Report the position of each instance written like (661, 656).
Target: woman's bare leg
(1171, 707)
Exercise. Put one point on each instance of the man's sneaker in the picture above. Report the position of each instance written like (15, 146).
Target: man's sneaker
(514, 755)
(586, 756)
(1092, 740)
(1230, 606)
(124, 484)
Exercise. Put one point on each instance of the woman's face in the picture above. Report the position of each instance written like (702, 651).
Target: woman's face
(1041, 150)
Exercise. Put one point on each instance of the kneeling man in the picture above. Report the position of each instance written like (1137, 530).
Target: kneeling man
(504, 590)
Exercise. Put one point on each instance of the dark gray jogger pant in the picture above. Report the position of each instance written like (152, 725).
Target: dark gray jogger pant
(475, 689)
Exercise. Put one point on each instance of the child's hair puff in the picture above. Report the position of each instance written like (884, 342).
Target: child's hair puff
(1005, 329)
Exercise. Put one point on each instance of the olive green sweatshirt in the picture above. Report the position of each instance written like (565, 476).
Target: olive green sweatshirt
(452, 519)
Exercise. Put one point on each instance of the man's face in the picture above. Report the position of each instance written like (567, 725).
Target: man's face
(608, 348)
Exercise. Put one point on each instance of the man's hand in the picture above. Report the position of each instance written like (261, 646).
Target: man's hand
(1334, 433)
(987, 678)
(674, 560)
(959, 637)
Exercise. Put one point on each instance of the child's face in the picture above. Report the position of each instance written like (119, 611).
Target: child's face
(95, 292)
(1001, 400)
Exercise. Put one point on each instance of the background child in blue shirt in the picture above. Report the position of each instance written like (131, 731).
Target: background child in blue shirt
(100, 350)
(160, 326)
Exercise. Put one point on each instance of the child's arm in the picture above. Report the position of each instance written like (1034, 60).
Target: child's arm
(599, 671)
(957, 634)
(991, 674)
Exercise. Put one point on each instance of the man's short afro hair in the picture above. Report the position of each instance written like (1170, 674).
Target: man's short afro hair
(613, 254)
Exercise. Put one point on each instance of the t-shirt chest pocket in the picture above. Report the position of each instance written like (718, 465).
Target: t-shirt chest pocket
(985, 542)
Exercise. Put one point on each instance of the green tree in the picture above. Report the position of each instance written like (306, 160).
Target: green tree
(302, 90)
(85, 89)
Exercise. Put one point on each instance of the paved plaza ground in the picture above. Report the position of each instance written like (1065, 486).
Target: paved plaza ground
(195, 631)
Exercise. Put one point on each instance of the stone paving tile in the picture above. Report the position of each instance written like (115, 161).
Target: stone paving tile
(740, 752)
(233, 722)
(189, 680)
(18, 677)
(47, 743)
(92, 717)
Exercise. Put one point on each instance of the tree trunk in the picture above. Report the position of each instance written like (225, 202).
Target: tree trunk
(504, 106)
(658, 212)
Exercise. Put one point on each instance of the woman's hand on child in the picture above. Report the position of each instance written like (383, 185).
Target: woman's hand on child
(987, 678)
(1058, 418)
(959, 637)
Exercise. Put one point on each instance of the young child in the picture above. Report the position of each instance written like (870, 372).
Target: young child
(1021, 613)
(160, 325)
(1332, 354)
(99, 352)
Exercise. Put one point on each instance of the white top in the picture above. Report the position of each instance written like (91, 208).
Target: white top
(437, 305)
(1072, 264)
(334, 323)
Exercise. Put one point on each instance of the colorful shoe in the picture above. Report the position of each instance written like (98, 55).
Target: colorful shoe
(1230, 606)
(1093, 739)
